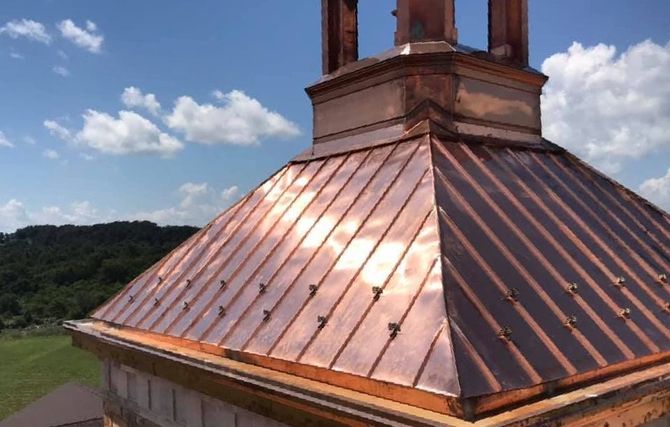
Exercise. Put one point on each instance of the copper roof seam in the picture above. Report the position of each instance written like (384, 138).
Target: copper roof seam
(473, 353)
(252, 276)
(234, 251)
(548, 265)
(232, 278)
(122, 316)
(151, 272)
(651, 251)
(379, 201)
(157, 320)
(575, 265)
(424, 362)
(528, 318)
(402, 318)
(604, 270)
(207, 281)
(306, 234)
(382, 287)
(367, 259)
(486, 315)
(530, 279)
(368, 215)
(483, 367)
(660, 249)
(237, 207)
(538, 254)
(225, 242)
(102, 311)
(653, 272)
(634, 198)
(192, 248)
(623, 266)
(314, 253)
(643, 244)
(182, 275)
(586, 344)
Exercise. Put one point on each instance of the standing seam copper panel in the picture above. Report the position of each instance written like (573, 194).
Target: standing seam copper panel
(357, 248)
(253, 231)
(262, 253)
(644, 263)
(537, 237)
(302, 260)
(294, 242)
(534, 274)
(375, 272)
(209, 279)
(465, 210)
(303, 270)
(566, 255)
(645, 324)
(496, 267)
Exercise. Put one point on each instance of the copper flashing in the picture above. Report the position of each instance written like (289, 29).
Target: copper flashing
(639, 396)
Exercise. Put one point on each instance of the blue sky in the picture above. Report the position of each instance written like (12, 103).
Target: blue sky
(243, 66)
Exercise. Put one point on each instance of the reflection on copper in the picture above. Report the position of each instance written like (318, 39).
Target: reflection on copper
(458, 269)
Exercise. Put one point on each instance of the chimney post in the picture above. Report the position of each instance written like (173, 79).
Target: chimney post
(339, 21)
(508, 30)
(426, 20)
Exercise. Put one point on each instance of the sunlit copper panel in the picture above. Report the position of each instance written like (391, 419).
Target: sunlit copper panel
(458, 268)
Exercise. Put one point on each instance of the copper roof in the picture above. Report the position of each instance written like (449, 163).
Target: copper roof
(454, 267)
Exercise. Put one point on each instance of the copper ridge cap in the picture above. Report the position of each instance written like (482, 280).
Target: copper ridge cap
(419, 48)
(455, 132)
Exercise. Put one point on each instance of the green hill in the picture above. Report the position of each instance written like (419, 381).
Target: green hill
(49, 273)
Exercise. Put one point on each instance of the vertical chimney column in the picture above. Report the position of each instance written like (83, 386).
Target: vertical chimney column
(426, 20)
(339, 22)
(508, 30)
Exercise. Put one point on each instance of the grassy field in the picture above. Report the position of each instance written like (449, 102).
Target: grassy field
(31, 367)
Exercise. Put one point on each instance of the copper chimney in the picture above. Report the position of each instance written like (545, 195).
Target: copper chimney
(508, 30)
(426, 20)
(340, 33)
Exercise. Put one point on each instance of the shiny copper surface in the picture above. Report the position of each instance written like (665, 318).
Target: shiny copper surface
(459, 269)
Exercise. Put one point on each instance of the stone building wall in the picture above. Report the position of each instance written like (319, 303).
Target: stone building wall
(136, 399)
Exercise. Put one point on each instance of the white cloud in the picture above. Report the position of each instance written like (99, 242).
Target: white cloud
(28, 29)
(192, 193)
(87, 38)
(195, 204)
(57, 130)
(4, 142)
(130, 133)
(657, 190)
(15, 55)
(133, 97)
(61, 71)
(51, 154)
(239, 120)
(198, 204)
(14, 215)
(606, 107)
(29, 140)
(230, 193)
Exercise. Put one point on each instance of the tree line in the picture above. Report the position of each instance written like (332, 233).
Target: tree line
(49, 273)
